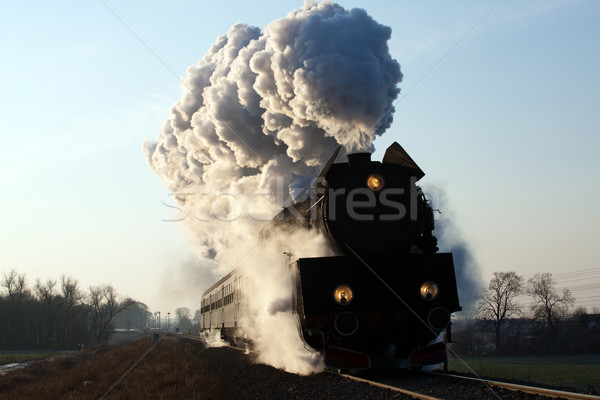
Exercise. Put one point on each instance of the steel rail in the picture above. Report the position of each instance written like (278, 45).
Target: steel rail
(521, 388)
(416, 395)
(200, 339)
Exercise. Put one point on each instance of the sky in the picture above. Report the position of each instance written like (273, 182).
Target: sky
(498, 105)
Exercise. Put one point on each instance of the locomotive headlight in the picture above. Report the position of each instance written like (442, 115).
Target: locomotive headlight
(343, 295)
(430, 290)
(375, 182)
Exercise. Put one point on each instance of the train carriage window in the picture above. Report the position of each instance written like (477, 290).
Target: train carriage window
(240, 287)
(226, 293)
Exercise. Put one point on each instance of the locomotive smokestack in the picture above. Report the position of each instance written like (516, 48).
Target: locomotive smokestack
(358, 160)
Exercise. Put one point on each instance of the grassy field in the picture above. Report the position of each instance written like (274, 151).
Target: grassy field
(169, 371)
(577, 372)
(8, 357)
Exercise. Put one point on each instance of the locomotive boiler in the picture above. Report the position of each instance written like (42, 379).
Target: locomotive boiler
(385, 298)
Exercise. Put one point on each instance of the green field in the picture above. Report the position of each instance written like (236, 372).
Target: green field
(576, 372)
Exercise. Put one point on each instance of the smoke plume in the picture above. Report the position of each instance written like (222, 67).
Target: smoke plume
(269, 107)
(451, 240)
(260, 114)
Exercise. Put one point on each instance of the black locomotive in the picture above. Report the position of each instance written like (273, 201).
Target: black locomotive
(386, 297)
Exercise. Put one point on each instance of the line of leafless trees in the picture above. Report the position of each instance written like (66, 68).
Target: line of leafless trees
(549, 325)
(55, 313)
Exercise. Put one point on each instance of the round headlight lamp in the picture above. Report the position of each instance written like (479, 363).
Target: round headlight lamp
(430, 290)
(343, 295)
(375, 182)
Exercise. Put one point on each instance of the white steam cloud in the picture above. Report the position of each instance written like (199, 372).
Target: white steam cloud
(260, 114)
(272, 326)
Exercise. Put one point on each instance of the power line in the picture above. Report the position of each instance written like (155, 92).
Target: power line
(576, 272)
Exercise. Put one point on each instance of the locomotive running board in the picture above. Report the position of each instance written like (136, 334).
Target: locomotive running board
(339, 358)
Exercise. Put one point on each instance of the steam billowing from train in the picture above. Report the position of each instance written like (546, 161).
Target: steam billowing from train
(260, 114)
(263, 109)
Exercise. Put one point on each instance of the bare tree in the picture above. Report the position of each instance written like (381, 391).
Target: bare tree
(197, 317)
(56, 313)
(497, 302)
(16, 285)
(47, 298)
(550, 306)
(183, 319)
(17, 307)
(182, 312)
(135, 315)
(71, 297)
(45, 291)
(104, 305)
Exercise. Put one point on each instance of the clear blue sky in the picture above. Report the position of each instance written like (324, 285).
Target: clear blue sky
(501, 113)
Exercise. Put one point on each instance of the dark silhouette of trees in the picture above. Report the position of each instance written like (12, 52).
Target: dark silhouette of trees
(183, 319)
(497, 303)
(72, 313)
(552, 326)
(17, 303)
(56, 314)
(197, 317)
(104, 305)
(135, 315)
(196, 320)
(182, 312)
(550, 306)
(48, 304)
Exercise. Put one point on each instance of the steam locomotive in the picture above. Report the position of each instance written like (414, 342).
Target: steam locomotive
(386, 297)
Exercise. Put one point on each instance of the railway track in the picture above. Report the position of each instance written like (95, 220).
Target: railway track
(201, 340)
(522, 388)
(433, 386)
(411, 394)
(449, 386)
